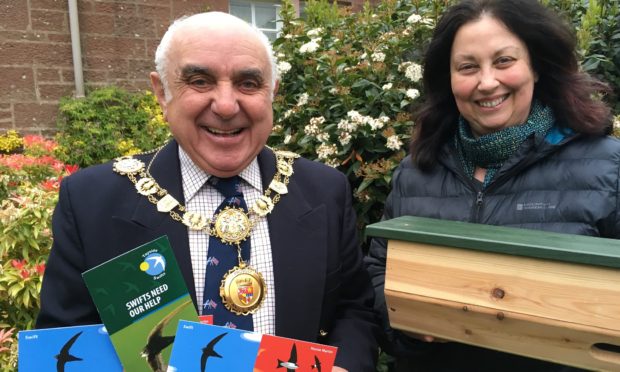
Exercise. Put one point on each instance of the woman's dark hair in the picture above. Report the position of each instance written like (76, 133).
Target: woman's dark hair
(552, 50)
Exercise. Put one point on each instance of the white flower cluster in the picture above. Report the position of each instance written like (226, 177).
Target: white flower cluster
(393, 143)
(322, 137)
(355, 119)
(283, 67)
(325, 150)
(378, 56)
(387, 86)
(344, 138)
(413, 93)
(303, 99)
(313, 129)
(347, 126)
(414, 18)
(288, 113)
(412, 70)
(310, 46)
(314, 32)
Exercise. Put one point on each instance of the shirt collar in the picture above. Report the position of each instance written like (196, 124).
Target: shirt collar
(194, 177)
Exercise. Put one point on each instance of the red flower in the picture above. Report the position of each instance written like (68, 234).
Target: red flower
(70, 169)
(40, 268)
(25, 274)
(38, 141)
(50, 184)
(18, 264)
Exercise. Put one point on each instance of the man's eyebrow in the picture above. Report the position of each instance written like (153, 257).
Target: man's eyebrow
(190, 70)
(252, 73)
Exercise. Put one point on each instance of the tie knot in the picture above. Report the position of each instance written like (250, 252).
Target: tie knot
(228, 187)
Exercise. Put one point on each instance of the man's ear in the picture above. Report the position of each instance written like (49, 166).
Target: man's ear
(158, 89)
(275, 88)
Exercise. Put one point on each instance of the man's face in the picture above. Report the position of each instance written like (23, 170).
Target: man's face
(220, 106)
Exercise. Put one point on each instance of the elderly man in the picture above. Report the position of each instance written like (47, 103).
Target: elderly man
(231, 207)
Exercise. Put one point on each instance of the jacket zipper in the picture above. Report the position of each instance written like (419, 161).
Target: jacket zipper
(477, 208)
(479, 201)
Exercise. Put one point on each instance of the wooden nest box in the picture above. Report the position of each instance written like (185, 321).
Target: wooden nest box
(543, 295)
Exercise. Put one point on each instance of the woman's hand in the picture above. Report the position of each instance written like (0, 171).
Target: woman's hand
(424, 338)
(338, 369)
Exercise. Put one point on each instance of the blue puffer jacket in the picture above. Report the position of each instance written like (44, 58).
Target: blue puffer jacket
(566, 184)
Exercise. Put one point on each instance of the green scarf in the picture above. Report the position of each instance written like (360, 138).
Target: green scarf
(491, 150)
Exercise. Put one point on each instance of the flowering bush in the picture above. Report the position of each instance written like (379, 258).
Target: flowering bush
(8, 349)
(28, 193)
(10, 142)
(107, 123)
(597, 25)
(348, 81)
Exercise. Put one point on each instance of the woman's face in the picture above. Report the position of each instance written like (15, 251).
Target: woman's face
(491, 76)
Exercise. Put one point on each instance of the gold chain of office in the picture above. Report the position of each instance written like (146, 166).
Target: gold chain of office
(230, 225)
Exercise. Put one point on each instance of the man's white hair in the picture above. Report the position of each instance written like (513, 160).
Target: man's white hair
(200, 19)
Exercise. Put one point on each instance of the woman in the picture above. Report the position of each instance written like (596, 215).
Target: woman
(511, 135)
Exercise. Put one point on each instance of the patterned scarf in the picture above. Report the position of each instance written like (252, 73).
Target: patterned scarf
(491, 150)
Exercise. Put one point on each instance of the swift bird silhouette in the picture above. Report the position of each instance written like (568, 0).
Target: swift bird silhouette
(291, 364)
(317, 364)
(156, 342)
(209, 351)
(64, 356)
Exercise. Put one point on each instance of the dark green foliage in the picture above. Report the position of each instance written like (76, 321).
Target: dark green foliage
(108, 123)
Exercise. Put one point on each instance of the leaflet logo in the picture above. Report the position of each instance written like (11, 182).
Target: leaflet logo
(154, 264)
(535, 206)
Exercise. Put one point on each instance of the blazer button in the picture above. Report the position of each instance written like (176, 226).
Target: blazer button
(323, 333)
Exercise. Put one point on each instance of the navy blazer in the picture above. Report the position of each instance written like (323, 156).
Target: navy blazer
(323, 294)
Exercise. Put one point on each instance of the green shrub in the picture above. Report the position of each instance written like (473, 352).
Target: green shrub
(28, 193)
(107, 123)
(347, 85)
(597, 26)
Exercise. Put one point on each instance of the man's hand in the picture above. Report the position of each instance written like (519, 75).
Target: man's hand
(338, 369)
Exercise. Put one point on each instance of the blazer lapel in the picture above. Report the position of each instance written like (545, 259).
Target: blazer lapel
(167, 172)
(298, 246)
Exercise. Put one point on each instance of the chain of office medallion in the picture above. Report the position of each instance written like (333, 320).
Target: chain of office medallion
(208, 229)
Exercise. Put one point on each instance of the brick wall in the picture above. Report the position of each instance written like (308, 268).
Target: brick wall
(118, 41)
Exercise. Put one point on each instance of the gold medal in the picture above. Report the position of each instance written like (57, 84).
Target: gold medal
(232, 225)
(146, 186)
(284, 168)
(243, 290)
(128, 166)
(263, 206)
(194, 221)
